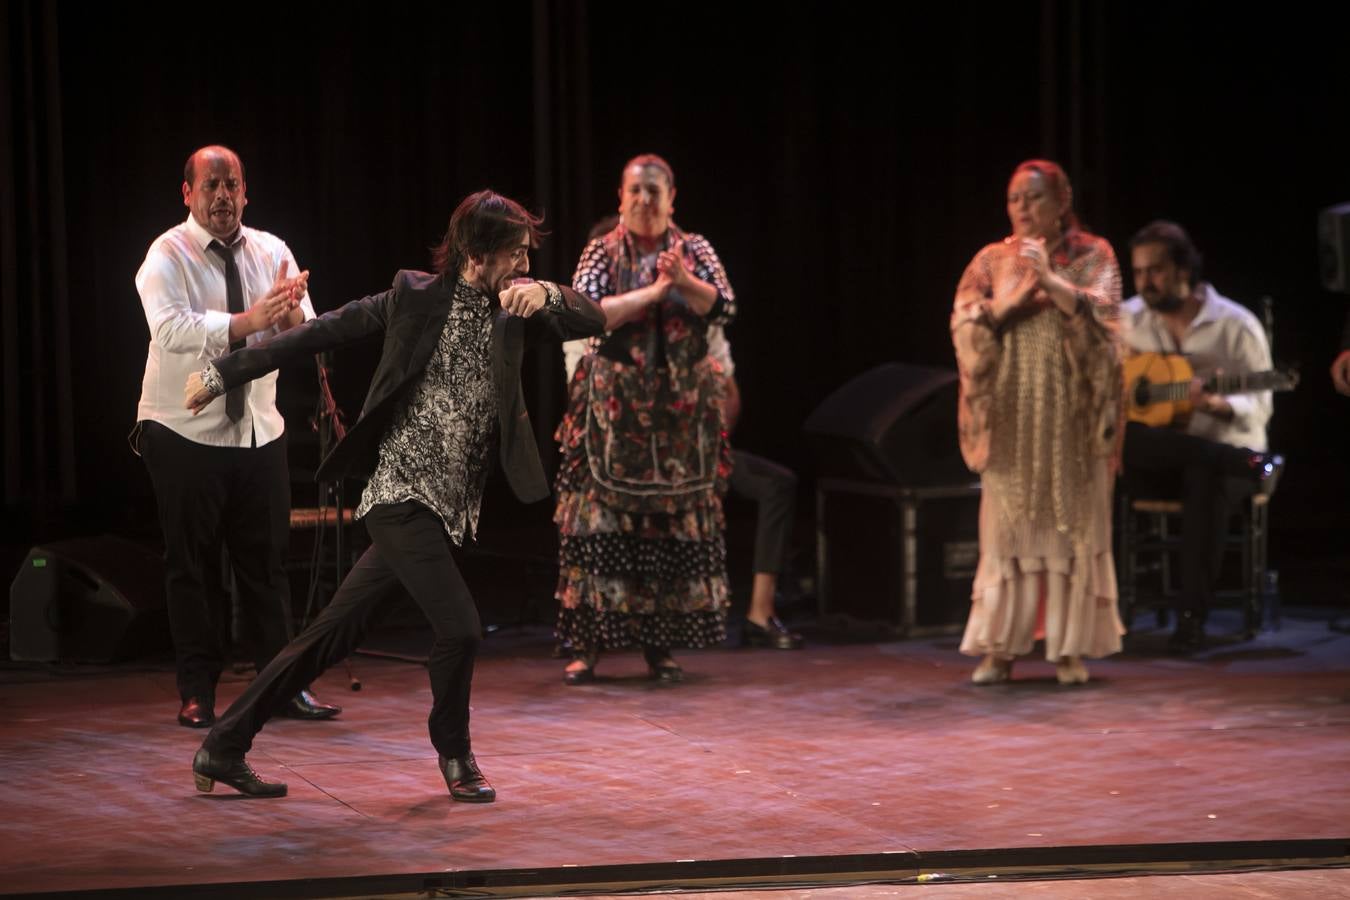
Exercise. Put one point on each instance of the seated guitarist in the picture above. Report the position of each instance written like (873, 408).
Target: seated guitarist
(1217, 454)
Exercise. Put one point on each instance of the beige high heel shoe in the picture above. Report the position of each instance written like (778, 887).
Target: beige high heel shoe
(993, 669)
(1070, 670)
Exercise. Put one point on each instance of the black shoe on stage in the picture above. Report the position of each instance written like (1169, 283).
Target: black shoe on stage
(208, 768)
(197, 712)
(305, 705)
(581, 676)
(465, 780)
(773, 634)
(660, 667)
(1189, 635)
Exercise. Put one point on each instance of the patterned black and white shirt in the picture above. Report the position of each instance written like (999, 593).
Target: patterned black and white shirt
(438, 448)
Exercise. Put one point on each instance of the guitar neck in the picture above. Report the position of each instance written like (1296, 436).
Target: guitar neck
(1247, 383)
(1242, 384)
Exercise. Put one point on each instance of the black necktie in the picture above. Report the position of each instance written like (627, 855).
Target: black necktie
(234, 299)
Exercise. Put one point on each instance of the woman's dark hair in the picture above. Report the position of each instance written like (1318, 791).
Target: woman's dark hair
(482, 224)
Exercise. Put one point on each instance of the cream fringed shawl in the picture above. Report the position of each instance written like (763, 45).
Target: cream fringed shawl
(1041, 397)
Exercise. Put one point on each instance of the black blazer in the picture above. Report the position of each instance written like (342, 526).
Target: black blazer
(410, 317)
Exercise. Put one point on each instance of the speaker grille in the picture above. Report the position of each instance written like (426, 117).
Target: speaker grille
(88, 600)
(895, 424)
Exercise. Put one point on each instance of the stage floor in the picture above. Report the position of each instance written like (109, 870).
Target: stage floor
(842, 750)
(1322, 884)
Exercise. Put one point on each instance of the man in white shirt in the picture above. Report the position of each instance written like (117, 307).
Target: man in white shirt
(1218, 455)
(221, 478)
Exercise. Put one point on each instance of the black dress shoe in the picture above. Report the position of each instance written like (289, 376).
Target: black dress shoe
(775, 634)
(305, 705)
(208, 768)
(465, 780)
(660, 667)
(1189, 635)
(581, 676)
(197, 712)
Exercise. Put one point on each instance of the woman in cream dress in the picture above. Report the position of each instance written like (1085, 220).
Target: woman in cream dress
(1034, 326)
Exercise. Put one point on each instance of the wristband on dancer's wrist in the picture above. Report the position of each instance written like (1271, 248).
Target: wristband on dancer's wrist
(212, 381)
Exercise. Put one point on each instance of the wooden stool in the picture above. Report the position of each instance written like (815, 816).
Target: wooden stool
(1158, 535)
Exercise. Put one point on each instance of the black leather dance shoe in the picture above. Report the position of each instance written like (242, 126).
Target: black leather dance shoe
(465, 780)
(197, 712)
(305, 705)
(1189, 635)
(775, 634)
(660, 667)
(581, 676)
(232, 770)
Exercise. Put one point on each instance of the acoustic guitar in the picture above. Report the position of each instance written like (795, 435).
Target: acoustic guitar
(1158, 386)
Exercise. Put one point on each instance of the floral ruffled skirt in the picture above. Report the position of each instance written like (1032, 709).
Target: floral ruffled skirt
(645, 463)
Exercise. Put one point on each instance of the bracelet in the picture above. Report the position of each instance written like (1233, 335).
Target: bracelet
(212, 381)
(554, 302)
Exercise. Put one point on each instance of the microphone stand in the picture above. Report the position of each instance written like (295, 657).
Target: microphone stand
(331, 429)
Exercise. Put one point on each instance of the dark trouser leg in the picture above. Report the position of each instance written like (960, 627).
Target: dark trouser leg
(1201, 471)
(257, 533)
(1203, 505)
(774, 488)
(409, 551)
(415, 546)
(333, 634)
(191, 483)
(1213, 508)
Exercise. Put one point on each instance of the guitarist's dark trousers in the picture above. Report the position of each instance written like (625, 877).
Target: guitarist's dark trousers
(1209, 477)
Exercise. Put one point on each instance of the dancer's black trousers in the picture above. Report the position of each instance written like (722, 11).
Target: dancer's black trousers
(410, 551)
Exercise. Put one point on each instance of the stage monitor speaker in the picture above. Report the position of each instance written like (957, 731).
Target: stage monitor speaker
(90, 600)
(894, 424)
(1333, 247)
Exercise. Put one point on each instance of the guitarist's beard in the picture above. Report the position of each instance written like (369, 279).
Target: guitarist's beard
(1163, 303)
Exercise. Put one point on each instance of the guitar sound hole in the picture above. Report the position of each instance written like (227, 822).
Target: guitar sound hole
(1141, 397)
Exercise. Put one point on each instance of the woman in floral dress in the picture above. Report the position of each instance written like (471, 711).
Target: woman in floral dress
(645, 457)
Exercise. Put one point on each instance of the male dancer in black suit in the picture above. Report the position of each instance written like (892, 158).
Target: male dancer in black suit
(447, 384)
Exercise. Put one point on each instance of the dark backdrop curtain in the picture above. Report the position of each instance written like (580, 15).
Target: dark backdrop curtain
(845, 169)
(360, 128)
(562, 181)
(39, 456)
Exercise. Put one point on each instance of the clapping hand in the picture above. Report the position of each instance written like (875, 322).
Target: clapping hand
(1034, 252)
(670, 263)
(1011, 297)
(279, 301)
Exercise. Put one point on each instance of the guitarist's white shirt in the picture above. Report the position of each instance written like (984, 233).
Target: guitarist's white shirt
(1223, 336)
